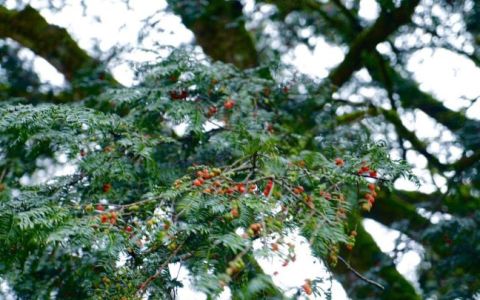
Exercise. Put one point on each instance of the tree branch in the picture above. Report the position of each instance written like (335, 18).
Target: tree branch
(368, 39)
(360, 275)
(51, 42)
(220, 30)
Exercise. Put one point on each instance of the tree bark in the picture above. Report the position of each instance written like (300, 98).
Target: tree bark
(220, 30)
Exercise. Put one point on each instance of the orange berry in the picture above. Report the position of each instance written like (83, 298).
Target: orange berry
(234, 212)
(240, 188)
(371, 187)
(339, 162)
(307, 288)
(229, 104)
(369, 197)
(197, 182)
(217, 183)
(298, 190)
(275, 247)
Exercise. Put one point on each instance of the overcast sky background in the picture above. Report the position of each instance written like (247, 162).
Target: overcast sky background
(447, 75)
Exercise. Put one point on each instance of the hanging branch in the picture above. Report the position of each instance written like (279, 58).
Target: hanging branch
(369, 281)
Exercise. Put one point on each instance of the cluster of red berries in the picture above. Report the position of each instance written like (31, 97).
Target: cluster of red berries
(216, 186)
(365, 170)
(109, 217)
(205, 175)
(369, 197)
(351, 240)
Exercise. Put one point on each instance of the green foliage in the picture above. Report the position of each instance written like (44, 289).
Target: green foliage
(143, 195)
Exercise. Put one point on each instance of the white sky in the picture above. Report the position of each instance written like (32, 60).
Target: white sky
(448, 76)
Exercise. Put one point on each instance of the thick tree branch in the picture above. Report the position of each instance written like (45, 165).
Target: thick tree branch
(368, 39)
(220, 30)
(51, 42)
(412, 97)
(391, 209)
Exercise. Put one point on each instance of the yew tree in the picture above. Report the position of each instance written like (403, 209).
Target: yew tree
(213, 160)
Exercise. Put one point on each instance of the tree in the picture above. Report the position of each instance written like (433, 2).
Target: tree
(266, 152)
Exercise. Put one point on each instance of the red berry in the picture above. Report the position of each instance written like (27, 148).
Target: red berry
(212, 110)
(229, 104)
(268, 188)
(234, 212)
(104, 218)
(369, 197)
(113, 217)
(217, 183)
(373, 174)
(100, 207)
(240, 188)
(275, 247)
(298, 190)
(128, 229)
(106, 187)
(198, 182)
(339, 162)
(307, 288)
(371, 187)
(363, 169)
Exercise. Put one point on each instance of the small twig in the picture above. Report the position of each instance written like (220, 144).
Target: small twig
(4, 171)
(145, 284)
(360, 275)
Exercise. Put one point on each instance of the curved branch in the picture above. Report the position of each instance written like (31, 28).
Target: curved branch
(220, 30)
(368, 39)
(30, 29)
